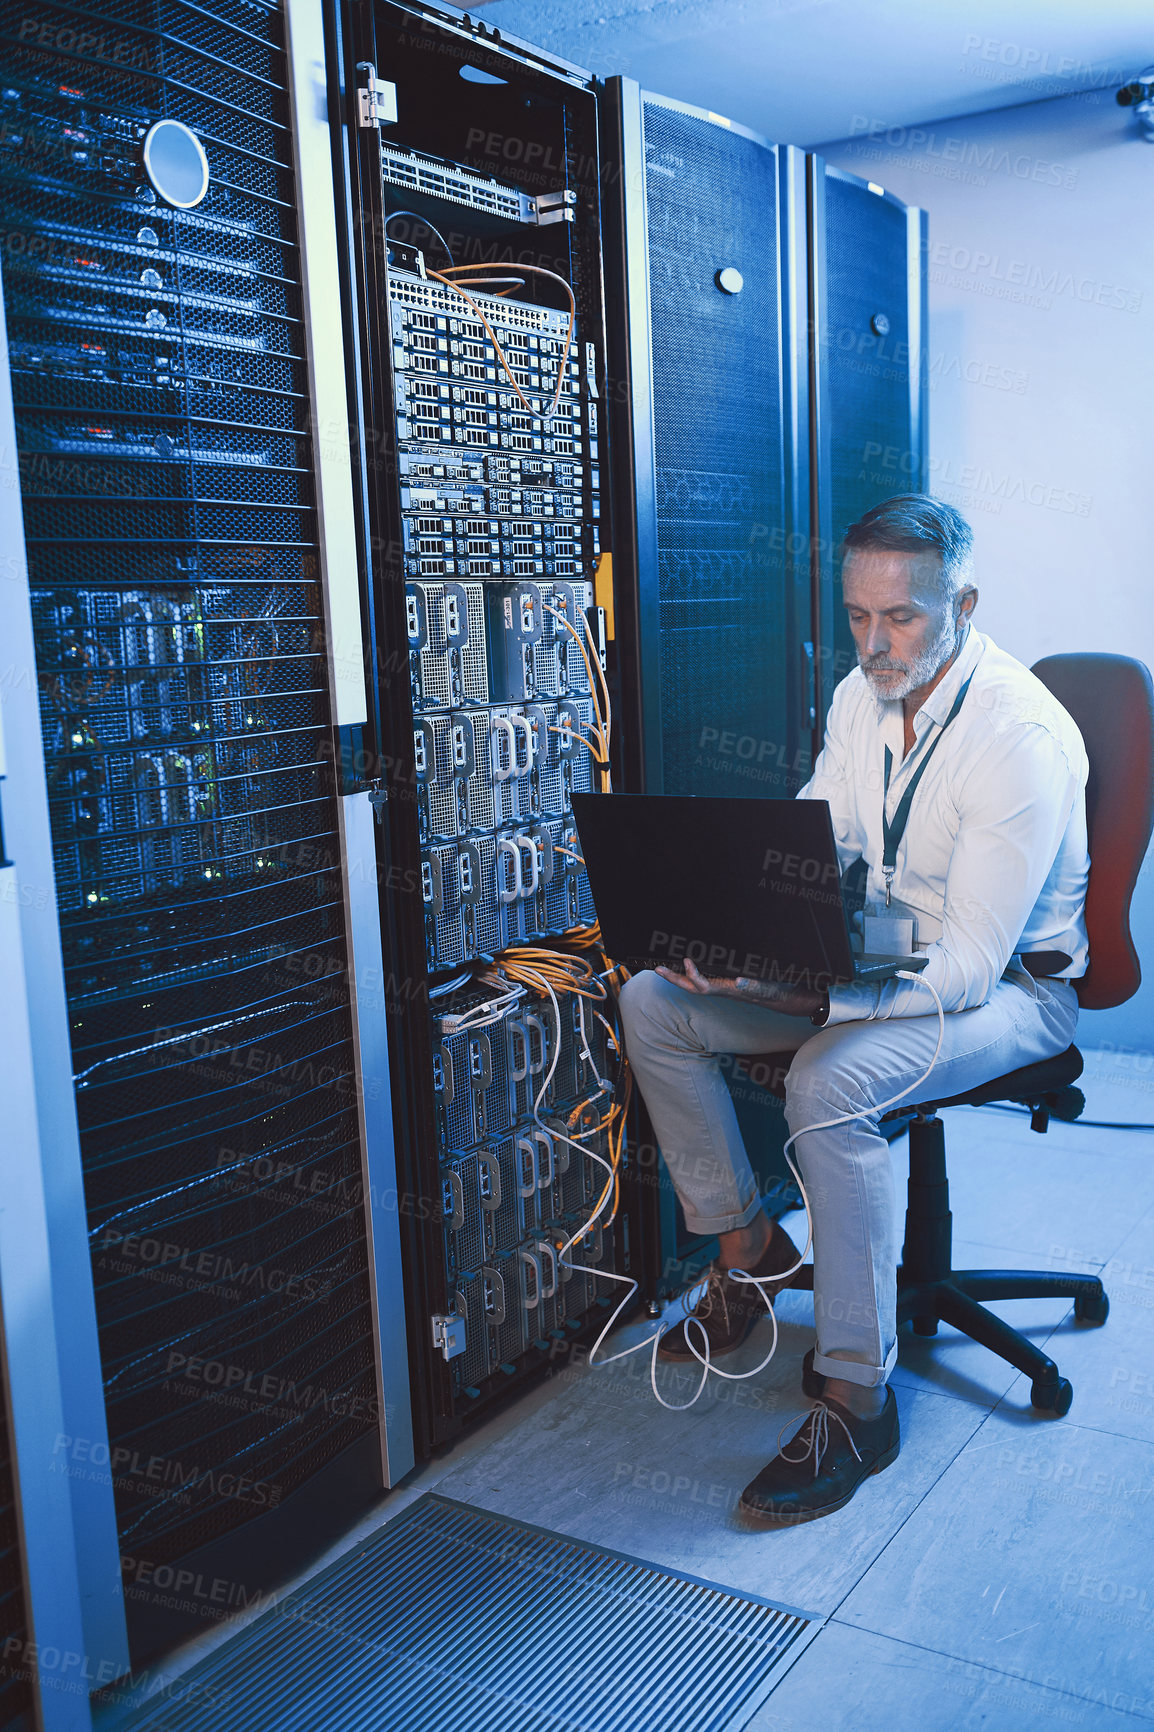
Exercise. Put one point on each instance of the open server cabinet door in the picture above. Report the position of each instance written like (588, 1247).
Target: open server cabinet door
(474, 210)
(706, 261)
(870, 372)
(209, 1136)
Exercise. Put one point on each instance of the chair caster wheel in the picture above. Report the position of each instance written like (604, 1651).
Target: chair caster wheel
(1052, 1398)
(1093, 1310)
(924, 1325)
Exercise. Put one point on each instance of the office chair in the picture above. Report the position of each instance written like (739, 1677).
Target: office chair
(1112, 701)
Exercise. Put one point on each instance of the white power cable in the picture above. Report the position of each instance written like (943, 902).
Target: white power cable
(490, 1010)
(680, 1309)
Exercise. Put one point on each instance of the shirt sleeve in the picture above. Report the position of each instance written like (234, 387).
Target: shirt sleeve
(832, 781)
(1014, 803)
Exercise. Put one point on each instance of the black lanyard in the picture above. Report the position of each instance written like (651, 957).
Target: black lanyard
(892, 833)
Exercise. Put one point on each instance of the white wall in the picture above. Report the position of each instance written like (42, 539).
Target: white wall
(1042, 370)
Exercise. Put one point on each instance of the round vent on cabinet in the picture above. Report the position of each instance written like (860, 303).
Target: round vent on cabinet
(175, 163)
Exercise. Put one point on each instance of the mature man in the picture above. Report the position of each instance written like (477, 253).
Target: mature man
(988, 858)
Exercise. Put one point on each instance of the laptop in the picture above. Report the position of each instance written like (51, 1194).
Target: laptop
(740, 887)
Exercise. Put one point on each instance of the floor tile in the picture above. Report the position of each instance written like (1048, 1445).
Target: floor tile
(605, 1462)
(1030, 1555)
(1137, 1248)
(851, 1678)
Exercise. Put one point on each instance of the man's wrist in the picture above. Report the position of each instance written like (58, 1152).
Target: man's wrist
(820, 1016)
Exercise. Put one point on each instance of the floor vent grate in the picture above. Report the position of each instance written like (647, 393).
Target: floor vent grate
(455, 1618)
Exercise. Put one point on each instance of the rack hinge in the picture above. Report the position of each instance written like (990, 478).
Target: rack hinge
(449, 1333)
(376, 102)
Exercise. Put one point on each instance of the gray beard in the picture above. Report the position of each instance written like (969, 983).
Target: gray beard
(923, 667)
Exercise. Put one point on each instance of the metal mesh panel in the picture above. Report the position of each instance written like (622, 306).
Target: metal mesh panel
(490, 921)
(441, 1578)
(868, 369)
(508, 1332)
(455, 1098)
(452, 668)
(444, 806)
(476, 1095)
(712, 202)
(499, 788)
(161, 401)
(564, 764)
(448, 939)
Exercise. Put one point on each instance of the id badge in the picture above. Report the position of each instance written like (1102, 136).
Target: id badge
(889, 934)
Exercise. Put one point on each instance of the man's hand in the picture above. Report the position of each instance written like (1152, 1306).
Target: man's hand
(790, 1000)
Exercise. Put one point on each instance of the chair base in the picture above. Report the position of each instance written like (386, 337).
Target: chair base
(954, 1299)
(931, 1291)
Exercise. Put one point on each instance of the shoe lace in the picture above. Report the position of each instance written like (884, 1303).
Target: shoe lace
(818, 1439)
(714, 1295)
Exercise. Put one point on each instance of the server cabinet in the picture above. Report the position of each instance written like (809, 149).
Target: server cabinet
(473, 205)
(211, 1090)
(868, 334)
(707, 262)
(706, 259)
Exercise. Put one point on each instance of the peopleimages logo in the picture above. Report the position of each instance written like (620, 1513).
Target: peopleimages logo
(211, 1267)
(991, 272)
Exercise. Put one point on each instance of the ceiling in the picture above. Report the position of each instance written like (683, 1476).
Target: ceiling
(811, 71)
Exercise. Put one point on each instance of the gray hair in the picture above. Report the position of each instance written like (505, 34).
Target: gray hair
(916, 523)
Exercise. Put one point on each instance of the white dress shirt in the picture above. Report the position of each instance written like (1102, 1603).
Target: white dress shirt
(993, 862)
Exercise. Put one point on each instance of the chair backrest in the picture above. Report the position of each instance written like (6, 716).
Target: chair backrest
(1112, 701)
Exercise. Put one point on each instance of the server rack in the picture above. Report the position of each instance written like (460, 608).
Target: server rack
(196, 894)
(770, 346)
(869, 429)
(487, 532)
(707, 264)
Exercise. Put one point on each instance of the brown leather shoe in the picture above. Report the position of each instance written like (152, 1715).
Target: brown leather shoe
(728, 1310)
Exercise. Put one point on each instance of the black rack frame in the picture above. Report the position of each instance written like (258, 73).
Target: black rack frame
(360, 36)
